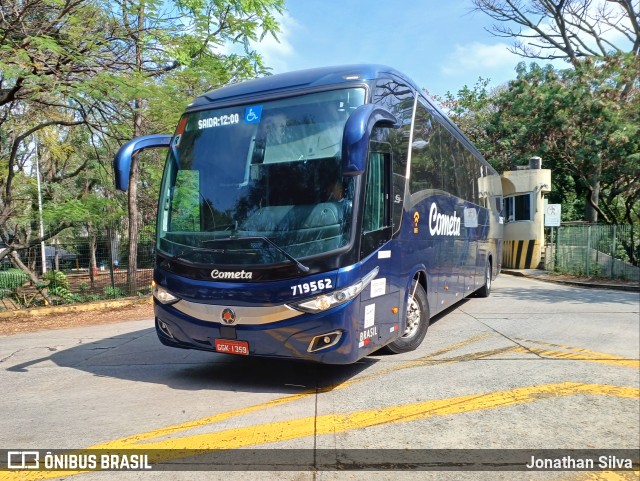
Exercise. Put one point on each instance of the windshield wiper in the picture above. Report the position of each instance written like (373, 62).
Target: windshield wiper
(299, 264)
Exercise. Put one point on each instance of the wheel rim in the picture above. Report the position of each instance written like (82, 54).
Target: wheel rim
(414, 315)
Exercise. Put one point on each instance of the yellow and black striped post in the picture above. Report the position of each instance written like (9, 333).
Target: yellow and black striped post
(521, 254)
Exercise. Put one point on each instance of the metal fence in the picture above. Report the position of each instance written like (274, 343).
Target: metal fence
(80, 266)
(596, 251)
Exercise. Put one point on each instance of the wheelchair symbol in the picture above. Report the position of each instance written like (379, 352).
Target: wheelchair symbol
(252, 114)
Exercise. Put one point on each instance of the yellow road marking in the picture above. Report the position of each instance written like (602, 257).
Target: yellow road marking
(241, 437)
(296, 397)
(423, 361)
(633, 363)
(294, 429)
(608, 476)
(580, 354)
(458, 345)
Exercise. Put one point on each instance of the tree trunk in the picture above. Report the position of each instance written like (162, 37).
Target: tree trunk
(132, 266)
(593, 196)
(133, 227)
(93, 264)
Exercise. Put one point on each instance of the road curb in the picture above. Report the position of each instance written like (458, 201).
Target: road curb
(586, 285)
(89, 306)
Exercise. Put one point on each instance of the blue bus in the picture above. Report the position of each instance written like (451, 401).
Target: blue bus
(318, 215)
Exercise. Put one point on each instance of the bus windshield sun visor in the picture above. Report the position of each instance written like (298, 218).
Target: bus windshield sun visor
(324, 302)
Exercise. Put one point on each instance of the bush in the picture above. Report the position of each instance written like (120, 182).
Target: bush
(12, 279)
(58, 286)
(57, 279)
(112, 292)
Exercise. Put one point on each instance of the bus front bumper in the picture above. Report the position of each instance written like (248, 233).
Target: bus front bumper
(326, 337)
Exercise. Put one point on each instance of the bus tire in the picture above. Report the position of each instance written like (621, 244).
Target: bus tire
(485, 290)
(417, 322)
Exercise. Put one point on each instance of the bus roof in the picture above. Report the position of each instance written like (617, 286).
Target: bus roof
(301, 79)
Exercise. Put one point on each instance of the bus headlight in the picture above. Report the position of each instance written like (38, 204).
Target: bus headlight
(163, 296)
(327, 301)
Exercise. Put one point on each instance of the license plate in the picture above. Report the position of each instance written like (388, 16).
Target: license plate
(232, 347)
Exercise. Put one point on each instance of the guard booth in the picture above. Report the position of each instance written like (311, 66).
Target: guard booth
(523, 196)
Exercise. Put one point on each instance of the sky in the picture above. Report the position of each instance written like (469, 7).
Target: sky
(441, 45)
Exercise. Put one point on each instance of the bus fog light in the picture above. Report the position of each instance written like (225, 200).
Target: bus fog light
(165, 329)
(324, 341)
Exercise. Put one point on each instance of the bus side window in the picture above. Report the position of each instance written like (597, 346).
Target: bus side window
(398, 98)
(376, 224)
(427, 169)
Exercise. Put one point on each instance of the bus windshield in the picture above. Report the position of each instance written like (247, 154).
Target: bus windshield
(236, 176)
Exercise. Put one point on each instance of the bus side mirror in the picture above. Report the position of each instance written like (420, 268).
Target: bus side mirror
(357, 133)
(122, 160)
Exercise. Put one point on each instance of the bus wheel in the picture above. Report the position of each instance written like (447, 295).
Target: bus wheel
(485, 290)
(417, 322)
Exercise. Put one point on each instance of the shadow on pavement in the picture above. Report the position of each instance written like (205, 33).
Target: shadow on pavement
(139, 356)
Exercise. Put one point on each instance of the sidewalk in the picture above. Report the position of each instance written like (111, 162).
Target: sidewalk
(567, 279)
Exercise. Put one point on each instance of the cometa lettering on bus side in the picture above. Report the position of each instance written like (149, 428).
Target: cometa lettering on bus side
(442, 224)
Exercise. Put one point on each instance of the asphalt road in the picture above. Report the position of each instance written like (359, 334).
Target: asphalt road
(535, 366)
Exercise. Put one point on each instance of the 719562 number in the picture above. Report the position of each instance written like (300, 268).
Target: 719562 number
(311, 287)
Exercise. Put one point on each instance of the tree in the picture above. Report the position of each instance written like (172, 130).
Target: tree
(575, 120)
(469, 109)
(566, 29)
(182, 51)
(50, 53)
(79, 77)
(593, 36)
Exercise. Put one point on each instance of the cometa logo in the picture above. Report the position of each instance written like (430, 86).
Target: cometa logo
(216, 274)
(442, 224)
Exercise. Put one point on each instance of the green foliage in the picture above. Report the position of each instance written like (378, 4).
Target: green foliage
(112, 292)
(74, 76)
(58, 286)
(12, 279)
(584, 122)
(56, 279)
